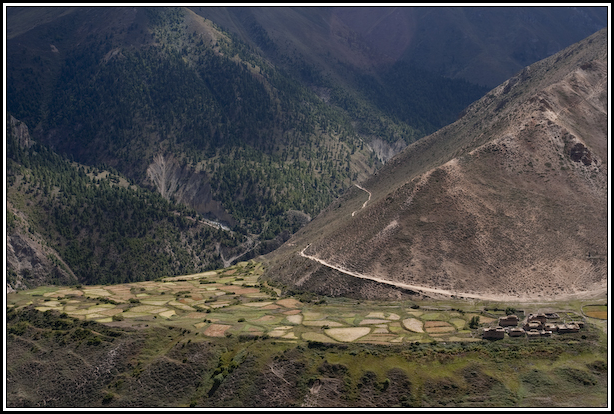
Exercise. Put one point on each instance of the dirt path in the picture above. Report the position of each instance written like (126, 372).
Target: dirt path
(365, 203)
(207, 222)
(250, 245)
(426, 290)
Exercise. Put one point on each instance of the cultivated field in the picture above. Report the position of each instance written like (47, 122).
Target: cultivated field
(231, 301)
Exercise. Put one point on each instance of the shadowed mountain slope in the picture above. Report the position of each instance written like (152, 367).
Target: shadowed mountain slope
(508, 202)
(483, 45)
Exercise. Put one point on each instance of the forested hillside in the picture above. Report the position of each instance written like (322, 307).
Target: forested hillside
(167, 99)
(103, 228)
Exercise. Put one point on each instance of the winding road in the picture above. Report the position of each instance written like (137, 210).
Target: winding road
(405, 285)
(365, 203)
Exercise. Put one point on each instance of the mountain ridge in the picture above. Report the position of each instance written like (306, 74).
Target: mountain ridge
(458, 221)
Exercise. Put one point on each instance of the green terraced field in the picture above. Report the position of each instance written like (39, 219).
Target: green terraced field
(232, 301)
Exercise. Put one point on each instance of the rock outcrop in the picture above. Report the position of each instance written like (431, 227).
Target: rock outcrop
(184, 185)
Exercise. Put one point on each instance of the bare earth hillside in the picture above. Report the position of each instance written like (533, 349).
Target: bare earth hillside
(509, 202)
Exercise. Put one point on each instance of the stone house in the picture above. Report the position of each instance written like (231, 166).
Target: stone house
(510, 320)
(516, 332)
(533, 325)
(539, 317)
(494, 333)
(568, 328)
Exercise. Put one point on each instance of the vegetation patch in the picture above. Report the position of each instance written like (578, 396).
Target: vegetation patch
(257, 304)
(44, 308)
(438, 327)
(347, 334)
(432, 316)
(372, 321)
(413, 324)
(483, 319)
(216, 330)
(110, 312)
(458, 323)
(289, 303)
(292, 312)
(154, 302)
(596, 311)
(167, 314)
(295, 319)
(267, 319)
(313, 315)
(147, 309)
(316, 337)
(138, 314)
(96, 292)
(576, 376)
(322, 323)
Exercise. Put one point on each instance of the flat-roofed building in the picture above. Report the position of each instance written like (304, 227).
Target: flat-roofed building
(509, 320)
(494, 333)
(533, 325)
(568, 328)
(539, 317)
(516, 332)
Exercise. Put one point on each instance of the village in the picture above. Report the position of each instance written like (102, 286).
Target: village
(533, 326)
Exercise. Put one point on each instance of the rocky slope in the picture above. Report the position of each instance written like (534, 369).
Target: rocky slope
(30, 261)
(508, 202)
(184, 185)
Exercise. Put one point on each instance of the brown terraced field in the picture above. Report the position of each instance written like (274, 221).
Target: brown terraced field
(233, 302)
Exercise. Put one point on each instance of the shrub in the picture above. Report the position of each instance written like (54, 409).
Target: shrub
(94, 341)
(598, 366)
(19, 328)
(107, 398)
(384, 385)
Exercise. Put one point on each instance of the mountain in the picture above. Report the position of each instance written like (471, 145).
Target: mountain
(232, 126)
(482, 45)
(168, 101)
(509, 202)
(174, 104)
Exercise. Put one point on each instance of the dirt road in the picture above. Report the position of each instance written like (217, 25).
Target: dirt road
(427, 290)
(365, 203)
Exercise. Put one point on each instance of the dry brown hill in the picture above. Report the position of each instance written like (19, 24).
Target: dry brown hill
(509, 202)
